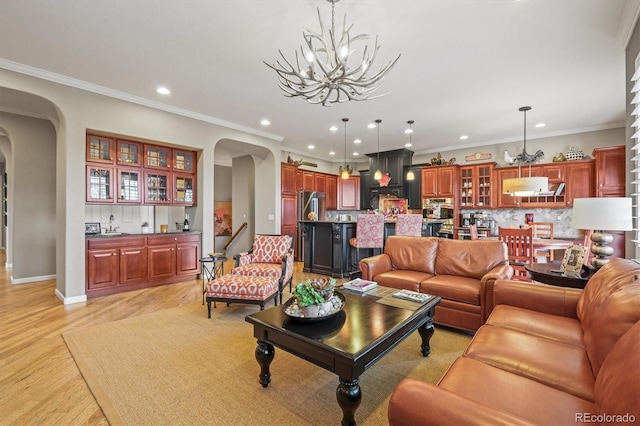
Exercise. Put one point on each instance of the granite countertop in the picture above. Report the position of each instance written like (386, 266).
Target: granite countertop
(138, 234)
(353, 221)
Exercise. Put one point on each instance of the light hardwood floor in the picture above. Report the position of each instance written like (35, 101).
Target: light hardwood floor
(39, 381)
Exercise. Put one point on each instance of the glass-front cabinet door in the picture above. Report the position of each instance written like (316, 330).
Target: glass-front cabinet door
(100, 149)
(157, 188)
(183, 189)
(157, 157)
(129, 153)
(184, 161)
(99, 184)
(129, 186)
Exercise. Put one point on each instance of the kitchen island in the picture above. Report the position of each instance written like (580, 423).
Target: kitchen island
(326, 249)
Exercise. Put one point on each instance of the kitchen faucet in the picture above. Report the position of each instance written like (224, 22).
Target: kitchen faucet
(110, 222)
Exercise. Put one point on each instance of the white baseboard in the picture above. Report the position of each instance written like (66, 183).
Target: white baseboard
(32, 279)
(70, 300)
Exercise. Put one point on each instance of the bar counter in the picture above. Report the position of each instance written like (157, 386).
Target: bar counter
(326, 248)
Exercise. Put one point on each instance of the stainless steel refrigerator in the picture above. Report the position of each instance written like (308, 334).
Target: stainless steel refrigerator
(308, 201)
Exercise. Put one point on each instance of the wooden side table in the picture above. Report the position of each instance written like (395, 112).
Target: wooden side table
(551, 273)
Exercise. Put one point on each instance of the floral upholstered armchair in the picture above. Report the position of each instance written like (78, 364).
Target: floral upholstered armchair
(270, 256)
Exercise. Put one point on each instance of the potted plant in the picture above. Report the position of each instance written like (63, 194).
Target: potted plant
(308, 299)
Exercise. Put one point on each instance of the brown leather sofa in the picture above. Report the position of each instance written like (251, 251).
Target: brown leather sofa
(456, 270)
(546, 355)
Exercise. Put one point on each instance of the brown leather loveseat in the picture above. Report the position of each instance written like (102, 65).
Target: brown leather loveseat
(546, 355)
(456, 270)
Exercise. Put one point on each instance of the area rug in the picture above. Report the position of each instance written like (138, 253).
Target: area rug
(177, 367)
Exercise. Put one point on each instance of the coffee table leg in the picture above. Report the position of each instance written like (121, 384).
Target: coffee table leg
(349, 398)
(264, 356)
(426, 330)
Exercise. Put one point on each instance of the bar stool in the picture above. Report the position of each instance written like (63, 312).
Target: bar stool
(369, 235)
(409, 225)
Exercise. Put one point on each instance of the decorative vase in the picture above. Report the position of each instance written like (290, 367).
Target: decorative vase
(311, 311)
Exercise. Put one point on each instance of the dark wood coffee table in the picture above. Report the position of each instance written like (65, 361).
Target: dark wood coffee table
(347, 344)
(551, 273)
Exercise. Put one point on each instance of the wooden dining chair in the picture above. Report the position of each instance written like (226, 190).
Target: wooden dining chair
(587, 246)
(543, 230)
(519, 249)
(473, 232)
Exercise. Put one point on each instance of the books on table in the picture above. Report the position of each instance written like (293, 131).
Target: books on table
(360, 285)
(413, 296)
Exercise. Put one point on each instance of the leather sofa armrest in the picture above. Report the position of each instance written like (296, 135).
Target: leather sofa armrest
(562, 301)
(499, 272)
(414, 402)
(372, 266)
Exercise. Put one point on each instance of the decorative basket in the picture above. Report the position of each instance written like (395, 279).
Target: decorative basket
(573, 154)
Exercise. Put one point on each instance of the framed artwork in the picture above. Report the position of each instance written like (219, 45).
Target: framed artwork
(573, 258)
(91, 228)
(222, 218)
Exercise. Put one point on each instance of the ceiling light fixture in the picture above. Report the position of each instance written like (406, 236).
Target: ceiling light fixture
(344, 173)
(410, 175)
(526, 186)
(378, 174)
(163, 90)
(265, 122)
(321, 74)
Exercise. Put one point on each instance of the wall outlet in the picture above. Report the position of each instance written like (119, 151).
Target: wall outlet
(271, 217)
(559, 218)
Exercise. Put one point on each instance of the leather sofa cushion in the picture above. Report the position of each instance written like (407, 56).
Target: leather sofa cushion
(513, 393)
(459, 288)
(617, 387)
(402, 279)
(412, 253)
(553, 327)
(608, 307)
(558, 365)
(467, 258)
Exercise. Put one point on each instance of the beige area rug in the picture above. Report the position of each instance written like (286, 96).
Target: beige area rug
(176, 367)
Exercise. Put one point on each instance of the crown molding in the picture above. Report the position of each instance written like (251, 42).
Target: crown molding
(628, 23)
(105, 91)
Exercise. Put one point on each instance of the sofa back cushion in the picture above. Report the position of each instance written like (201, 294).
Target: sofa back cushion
(608, 307)
(270, 248)
(617, 388)
(468, 258)
(412, 253)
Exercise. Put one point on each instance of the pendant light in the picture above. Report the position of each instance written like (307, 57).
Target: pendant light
(345, 171)
(410, 175)
(378, 174)
(525, 186)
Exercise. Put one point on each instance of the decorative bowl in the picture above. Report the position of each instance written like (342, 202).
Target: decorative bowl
(293, 311)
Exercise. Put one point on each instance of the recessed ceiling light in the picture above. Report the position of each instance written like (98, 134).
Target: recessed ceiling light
(332, 153)
(311, 147)
(265, 122)
(333, 128)
(463, 137)
(408, 145)
(355, 154)
(357, 141)
(540, 125)
(372, 125)
(163, 90)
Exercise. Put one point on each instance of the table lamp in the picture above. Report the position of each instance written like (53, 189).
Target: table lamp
(602, 214)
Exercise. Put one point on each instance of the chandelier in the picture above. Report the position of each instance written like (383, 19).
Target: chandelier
(328, 71)
(531, 185)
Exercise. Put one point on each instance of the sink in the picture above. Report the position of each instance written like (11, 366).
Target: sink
(111, 234)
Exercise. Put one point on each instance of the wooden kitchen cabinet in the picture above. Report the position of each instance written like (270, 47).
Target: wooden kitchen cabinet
(349, 193)
(123, 263)
(183, 189)
(99, 184)
(288, 174)
(183, 160)
(439, 181)
(476, 186)
(100, 149)
(157, 157)
(320, 183)
(308, 181)
(506, 200)
(129, 153)
(157, 187)
(610, 165)
(580, 180)
(129, 185)
(332, 192)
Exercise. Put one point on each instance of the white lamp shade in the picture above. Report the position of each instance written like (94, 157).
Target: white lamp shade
(525, 186)
(602, 213)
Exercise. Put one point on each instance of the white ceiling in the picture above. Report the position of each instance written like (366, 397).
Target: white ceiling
(466, 65)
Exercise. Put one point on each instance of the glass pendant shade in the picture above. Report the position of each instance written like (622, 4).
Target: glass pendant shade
(377, 175)
(410, 175)
(345, 174)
